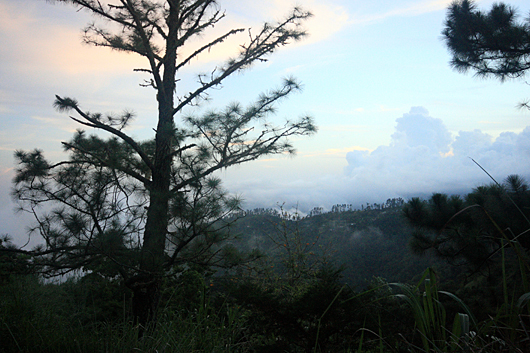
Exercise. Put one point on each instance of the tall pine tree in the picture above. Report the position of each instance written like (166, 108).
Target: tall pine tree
(140, 209)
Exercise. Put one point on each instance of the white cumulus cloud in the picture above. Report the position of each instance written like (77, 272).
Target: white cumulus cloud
(422, 157)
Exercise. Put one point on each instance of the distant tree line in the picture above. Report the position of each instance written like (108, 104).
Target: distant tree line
(390, 203)
(317, 211)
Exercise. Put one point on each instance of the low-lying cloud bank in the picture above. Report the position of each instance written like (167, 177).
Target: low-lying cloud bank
(423, 157)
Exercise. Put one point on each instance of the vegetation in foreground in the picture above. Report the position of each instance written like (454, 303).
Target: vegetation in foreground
(320, 315)
(294, 298)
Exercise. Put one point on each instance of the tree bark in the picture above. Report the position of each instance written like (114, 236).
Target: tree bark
(147, 293)
(146, 296)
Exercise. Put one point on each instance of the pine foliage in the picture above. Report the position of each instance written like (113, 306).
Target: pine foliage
(490, 43)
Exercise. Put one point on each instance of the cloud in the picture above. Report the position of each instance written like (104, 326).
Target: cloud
(44, 42)
(405, 10)
(328, 18)
(326, 21)
(58, 123)
(417, 128)
(39, 44)
(422, 157)
(421, 7)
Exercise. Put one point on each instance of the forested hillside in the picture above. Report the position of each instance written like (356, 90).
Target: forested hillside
(369, 243)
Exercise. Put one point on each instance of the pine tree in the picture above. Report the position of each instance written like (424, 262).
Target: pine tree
(491, 44)
(143, 209)
(472, 230)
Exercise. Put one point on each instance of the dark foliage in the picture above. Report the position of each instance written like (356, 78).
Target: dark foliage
(490, 43)
(325, 314)
(11, 262)
(474, 229)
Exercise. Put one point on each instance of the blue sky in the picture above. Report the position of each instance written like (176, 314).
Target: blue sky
(394, 119)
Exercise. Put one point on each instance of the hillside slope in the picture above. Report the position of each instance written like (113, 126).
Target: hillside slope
(368, 243)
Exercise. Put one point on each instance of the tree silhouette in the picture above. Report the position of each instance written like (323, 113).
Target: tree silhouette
(471, 231)
(491, 44)
(143, 209)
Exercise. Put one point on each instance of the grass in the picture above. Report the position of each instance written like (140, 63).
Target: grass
(37, 317)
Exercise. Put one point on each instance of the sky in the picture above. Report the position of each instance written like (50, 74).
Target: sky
(394, 119)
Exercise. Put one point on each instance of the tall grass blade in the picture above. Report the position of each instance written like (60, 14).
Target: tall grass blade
(324, 313)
